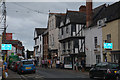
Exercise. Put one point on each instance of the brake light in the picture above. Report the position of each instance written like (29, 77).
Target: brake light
(108, 71)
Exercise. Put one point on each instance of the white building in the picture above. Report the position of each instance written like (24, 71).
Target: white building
(38, 47)
(93, 36)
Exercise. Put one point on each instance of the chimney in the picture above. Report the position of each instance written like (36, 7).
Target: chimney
(88, 12)
(82, 8)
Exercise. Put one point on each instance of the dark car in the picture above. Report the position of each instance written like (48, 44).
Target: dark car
(26, 66)
(118, 75)
(105, 70)
(12, 65)
(16, 65)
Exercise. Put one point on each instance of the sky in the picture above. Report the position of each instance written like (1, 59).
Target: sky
(24, 17)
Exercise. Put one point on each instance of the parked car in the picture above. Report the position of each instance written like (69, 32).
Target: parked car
(16, 65)
(105, 70)
(118, 75)
(26, 66)
(12, 65)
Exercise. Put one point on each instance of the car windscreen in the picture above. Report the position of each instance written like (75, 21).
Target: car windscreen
(113, 66)
(27, 62)
(102, 65)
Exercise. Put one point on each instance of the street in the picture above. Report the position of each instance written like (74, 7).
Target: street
(48, 74)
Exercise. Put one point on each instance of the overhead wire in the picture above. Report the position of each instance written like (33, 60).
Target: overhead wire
(30, 8)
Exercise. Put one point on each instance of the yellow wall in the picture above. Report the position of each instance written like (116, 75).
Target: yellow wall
(112, 28)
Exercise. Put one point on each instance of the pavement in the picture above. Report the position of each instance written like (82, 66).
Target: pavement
(0, 73)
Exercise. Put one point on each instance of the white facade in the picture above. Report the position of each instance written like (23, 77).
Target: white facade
(93, 55)
(38, 47)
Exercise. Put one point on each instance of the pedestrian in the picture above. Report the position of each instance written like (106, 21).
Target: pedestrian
(76, 65)
(57, 64)
(35, 62)
(83, 65)
(51, 64)
(46, 64)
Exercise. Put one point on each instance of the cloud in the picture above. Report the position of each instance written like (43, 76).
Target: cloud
(22, 20)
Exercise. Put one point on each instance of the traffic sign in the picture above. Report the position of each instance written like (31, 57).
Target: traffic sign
(6, 46)
(108, 45)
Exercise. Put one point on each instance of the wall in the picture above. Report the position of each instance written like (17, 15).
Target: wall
(90, 33)
(53, 33)
(113, 29)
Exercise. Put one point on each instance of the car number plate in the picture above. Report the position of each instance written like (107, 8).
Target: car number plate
(28, 67)
(115, 71)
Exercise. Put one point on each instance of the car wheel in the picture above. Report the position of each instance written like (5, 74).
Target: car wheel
(91, 76)
(104, 77)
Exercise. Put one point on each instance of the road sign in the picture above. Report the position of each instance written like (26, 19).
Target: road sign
(6, 46)
(108, 45)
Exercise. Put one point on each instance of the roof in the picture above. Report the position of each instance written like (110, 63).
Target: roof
(14, 42)
(40, 31)
(76, 17)
(58, 17)
(98, 13)
(45, 32)
(111, 12)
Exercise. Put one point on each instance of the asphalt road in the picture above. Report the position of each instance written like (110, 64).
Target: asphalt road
(49, 74)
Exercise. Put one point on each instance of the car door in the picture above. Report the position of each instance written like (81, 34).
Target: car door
(102, 70)
(97, 70)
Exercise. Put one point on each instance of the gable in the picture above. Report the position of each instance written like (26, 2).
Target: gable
(67, 20)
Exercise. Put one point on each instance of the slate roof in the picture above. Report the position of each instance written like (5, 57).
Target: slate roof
(98, 13)
(39, 31)
(111, 12)
(76, 17)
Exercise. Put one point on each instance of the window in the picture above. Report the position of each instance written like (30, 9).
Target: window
(40, 38)
(62, 31)
(40, 48)
(95, 41)
(67, 29)
(74, 27)
(68, 44)
(35, 42)
(109, 38)
(98, 59)
(64, 47)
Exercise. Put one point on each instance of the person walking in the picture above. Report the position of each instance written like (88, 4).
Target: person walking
(77, 65)
(83, 65)
(51, 64)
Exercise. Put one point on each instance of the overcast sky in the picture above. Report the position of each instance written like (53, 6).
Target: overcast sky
(22, 18)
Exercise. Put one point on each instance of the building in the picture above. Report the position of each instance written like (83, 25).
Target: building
(17, 47)
(93, 34)
(38, 48)
(71, 38)
(46, 54)
(29, 54)
(111, 33)
(53, 30)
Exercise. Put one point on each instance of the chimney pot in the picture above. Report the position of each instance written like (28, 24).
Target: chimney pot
(82, 8)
